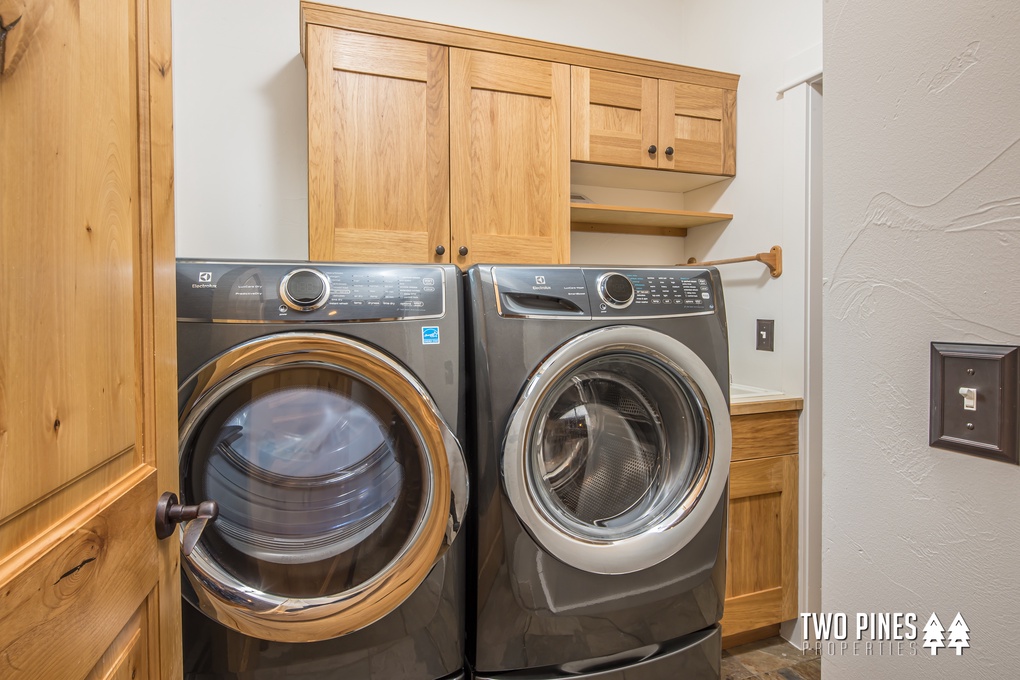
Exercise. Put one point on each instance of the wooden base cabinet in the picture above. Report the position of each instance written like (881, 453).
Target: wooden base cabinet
(761, 572)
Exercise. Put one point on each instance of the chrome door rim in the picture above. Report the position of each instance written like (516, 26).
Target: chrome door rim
(291, 619)
(674, 530)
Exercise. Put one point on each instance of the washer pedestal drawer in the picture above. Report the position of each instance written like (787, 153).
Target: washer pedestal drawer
(692, 657)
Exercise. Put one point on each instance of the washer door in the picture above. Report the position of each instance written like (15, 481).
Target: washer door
(618, 450)
(339, 485)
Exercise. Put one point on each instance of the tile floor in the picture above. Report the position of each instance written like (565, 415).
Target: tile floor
(770, 659)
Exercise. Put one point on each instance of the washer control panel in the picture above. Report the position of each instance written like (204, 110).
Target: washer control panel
(628, 292)
(311, 292)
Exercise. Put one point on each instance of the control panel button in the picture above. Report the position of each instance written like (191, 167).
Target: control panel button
(304, 289)
(616, 290)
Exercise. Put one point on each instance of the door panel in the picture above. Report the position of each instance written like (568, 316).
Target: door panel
(87, 375)
(127, 658)
(378, 152)
(509, 158)
(699, 123)
(67, 587)
(613, 117)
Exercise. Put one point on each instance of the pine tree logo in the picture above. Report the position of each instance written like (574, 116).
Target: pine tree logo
(933, 634)
(959, 634)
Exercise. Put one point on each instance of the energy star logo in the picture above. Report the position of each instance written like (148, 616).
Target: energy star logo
(430, 335)
(883, 634)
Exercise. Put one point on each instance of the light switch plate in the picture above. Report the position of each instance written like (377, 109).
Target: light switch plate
(765, 335)
(974, 400)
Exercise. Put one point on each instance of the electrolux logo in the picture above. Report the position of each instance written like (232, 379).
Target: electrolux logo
(204, 281)
(882, 634)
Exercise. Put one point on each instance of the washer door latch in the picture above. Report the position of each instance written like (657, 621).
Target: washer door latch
(170, 513)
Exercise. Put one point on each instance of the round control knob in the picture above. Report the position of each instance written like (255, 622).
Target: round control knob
(304, 289)
(616, 290)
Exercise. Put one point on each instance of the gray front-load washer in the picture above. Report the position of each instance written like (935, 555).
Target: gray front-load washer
(600, 468)
(320, 406)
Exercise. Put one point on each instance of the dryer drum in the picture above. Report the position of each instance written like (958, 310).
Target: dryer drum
(302, 474)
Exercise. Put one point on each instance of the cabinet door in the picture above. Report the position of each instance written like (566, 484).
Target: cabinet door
(761, 570)
(378, 148)
(88, 422)
(509, 158)
(613, 118)
(699, 123)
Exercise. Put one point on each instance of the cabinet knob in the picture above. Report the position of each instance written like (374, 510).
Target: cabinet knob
(440, 250)
(669, 151)
(652, 149)
(463, 250)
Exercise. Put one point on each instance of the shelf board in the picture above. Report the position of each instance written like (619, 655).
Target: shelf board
(630, 220)
(646, 179)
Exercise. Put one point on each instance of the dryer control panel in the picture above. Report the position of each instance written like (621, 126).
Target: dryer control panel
(625, 292)
(310, 292)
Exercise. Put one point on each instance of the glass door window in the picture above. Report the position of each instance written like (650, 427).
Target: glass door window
(318, 477)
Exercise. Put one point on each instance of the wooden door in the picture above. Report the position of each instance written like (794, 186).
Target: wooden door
(761, 574)
(699, 124)
(88, 431)
(613, 118)
(378, 148)
(509, 159)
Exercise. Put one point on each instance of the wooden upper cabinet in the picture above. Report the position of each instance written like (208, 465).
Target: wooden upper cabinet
(378, 148)
(699, 124)
(509, 158)
(432, 143)
(637, 121)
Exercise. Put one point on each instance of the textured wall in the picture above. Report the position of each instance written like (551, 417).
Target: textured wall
(922, 210)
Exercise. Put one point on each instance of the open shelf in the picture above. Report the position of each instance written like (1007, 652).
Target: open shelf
(630, 220)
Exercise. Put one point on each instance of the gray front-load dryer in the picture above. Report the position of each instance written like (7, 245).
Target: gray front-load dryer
(320, 406)
(600, 467)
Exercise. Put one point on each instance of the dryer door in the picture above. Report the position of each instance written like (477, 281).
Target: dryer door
(618, 450)
(338, 481)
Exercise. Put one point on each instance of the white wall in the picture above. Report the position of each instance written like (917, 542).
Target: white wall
(240, 128)
(757, 40)
(922, 188)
